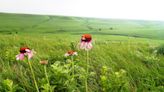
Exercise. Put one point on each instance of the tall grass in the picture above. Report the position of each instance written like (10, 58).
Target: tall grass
(122, 66)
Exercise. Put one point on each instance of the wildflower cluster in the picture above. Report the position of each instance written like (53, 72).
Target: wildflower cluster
(85, 44)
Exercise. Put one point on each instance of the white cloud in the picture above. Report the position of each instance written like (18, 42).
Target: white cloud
(128, 9)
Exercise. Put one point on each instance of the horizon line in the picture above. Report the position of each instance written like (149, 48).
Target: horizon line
(37, 14)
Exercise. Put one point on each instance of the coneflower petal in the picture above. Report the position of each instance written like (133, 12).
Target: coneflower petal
(20, 56)
(75, 53)
(30, 54)
(66, 54)
(89, 46)
(28, 50)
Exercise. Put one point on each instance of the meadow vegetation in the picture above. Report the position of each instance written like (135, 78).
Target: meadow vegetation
(127, 55)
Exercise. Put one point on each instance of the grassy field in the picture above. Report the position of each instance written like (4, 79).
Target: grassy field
(127, 55)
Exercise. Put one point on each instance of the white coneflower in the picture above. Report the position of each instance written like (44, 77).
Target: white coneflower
(70, 53)
(86, 42)
(23, 52)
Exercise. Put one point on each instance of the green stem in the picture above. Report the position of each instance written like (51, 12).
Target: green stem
(87, 62)
(73, 66)
(45, 70)
(33, 75)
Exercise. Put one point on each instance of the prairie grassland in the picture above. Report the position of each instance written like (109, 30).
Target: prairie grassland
(123, 61)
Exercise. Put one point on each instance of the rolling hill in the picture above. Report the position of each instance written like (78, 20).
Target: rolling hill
(24, 23)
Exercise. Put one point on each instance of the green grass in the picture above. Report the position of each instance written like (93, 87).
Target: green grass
(123, 59)
(11, 23)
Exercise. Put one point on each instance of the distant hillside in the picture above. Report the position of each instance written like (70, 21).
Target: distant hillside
(22, 23)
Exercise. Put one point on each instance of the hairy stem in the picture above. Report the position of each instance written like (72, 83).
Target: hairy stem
(33, 75)
(45, 70)
(87, 63)
(73, 67)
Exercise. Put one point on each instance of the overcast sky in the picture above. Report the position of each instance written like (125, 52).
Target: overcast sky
(122, 9)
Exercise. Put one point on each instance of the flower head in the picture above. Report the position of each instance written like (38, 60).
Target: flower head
(25, 51)
(85, 43)
(70, 53)
(86, 38)
(43, 62)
